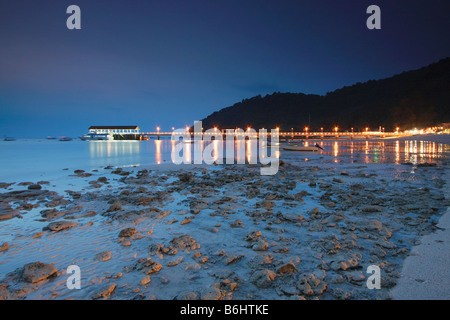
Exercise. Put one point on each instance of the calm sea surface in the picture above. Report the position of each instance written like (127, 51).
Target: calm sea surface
(37, 159)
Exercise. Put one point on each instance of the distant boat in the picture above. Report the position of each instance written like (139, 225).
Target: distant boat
(51, 138)
(65, 139)
(301, 148)
(9, 139)
(97, 136)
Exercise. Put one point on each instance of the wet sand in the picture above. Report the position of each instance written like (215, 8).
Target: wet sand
(426, 274)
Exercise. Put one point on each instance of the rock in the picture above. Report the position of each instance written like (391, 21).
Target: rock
(355, 277)
(221, 273)
(236, 224)
(116, 206)
(105, 292)
(60, 225)
(341, 294)
(4, 185)
(186, 177)
(344, 265)
(155, 248)
(187, 295)
(197, 205)
(185, 221)
(263, 278)
(372, 208)
(148, 266)
(292, 217)
(6, 212)
(38, 271)
(102, 180)
(211, 294)
(145, 280)
(127, 232)
(184, 242)
(260, 245)
(427, 165)
(34, 187)
(175, 262)
(373, 225)
(210, 229)
(4, 293)
(103, 256)
(4, 246)
(25, 183)
(310, 285)
(126, 243)
(287, 269)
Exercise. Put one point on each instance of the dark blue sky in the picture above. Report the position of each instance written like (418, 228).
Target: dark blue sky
(169, 63)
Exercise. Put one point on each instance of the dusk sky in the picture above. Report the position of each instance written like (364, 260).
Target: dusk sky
(169, 63)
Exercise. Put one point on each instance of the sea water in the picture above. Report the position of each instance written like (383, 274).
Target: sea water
(41, 159)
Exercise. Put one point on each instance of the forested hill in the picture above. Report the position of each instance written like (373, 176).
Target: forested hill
(410, 99)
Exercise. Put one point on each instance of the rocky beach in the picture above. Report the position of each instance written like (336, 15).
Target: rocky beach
(219, 232)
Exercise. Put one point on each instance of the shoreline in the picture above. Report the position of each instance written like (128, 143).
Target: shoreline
(425, 274)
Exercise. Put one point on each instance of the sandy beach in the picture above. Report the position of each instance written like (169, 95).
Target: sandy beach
(221, 232)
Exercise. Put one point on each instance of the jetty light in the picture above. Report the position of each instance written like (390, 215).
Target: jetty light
(336, 129)
(306, 129)
(157, 129)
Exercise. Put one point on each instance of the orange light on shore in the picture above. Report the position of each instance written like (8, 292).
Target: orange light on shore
(306, 129)
(157, 129)
(367, 129)
(336, 129)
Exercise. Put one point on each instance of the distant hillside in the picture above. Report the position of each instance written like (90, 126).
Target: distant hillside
(411, 99)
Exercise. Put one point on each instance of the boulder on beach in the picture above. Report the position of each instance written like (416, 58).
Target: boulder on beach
(38, 271)
(184, 242)
(4, 246)
(34, 187)
(104, 292)
(116, 206)
(61, 225)
(127, 232)
(263, 278)
(6, 212)
(103, 256)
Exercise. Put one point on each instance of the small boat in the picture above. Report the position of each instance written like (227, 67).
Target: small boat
(65, 139)
(300, 148)
(97, 136)
(51, 138)
(9, 139)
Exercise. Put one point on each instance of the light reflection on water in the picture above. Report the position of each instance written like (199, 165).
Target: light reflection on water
(396, 152)
(373, 151)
